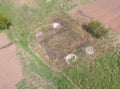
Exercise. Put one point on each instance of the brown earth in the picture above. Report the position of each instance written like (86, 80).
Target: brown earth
(106, 11)
(10, 68)
(3, 41)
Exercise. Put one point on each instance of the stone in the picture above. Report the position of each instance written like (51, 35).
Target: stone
(89, 50)
(71, 58)
(56, 25)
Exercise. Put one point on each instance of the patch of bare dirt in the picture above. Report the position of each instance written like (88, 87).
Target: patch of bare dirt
(3, 41)
(10, 68)
(56, 43)
(106, 11)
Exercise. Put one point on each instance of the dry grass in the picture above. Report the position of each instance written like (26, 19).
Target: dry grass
(21, 3)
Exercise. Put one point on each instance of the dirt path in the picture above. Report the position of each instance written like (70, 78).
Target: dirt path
(10, 69)
(106, 11)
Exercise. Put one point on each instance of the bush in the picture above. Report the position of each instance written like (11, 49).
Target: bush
(97, 29)
(4, 22)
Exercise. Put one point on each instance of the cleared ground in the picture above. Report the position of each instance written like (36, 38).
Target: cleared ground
(106, 11)
(10, 69)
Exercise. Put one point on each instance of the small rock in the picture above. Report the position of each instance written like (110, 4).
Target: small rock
(56, 25)
(71, 58)
(89, 50)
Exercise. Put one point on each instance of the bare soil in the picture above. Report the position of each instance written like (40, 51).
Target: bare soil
(106, 11)
(10, 68)
(59, 42)
(3, 41)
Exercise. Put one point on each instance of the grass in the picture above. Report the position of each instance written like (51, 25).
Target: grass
(24, 85)
(101, 74)
(104, 73)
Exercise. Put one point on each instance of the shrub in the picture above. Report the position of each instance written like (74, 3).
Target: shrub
(4, 22)
(97, 29)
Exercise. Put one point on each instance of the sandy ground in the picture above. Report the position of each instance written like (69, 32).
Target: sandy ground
(5, 41)
(106, 11)
(10, 68)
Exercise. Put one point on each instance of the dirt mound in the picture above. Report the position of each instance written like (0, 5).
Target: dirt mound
(61, 41)
(10, 69)
(103, 10)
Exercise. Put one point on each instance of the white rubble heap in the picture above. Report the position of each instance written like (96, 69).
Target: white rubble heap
(71, 58)
(89, 50)
(56, 25)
